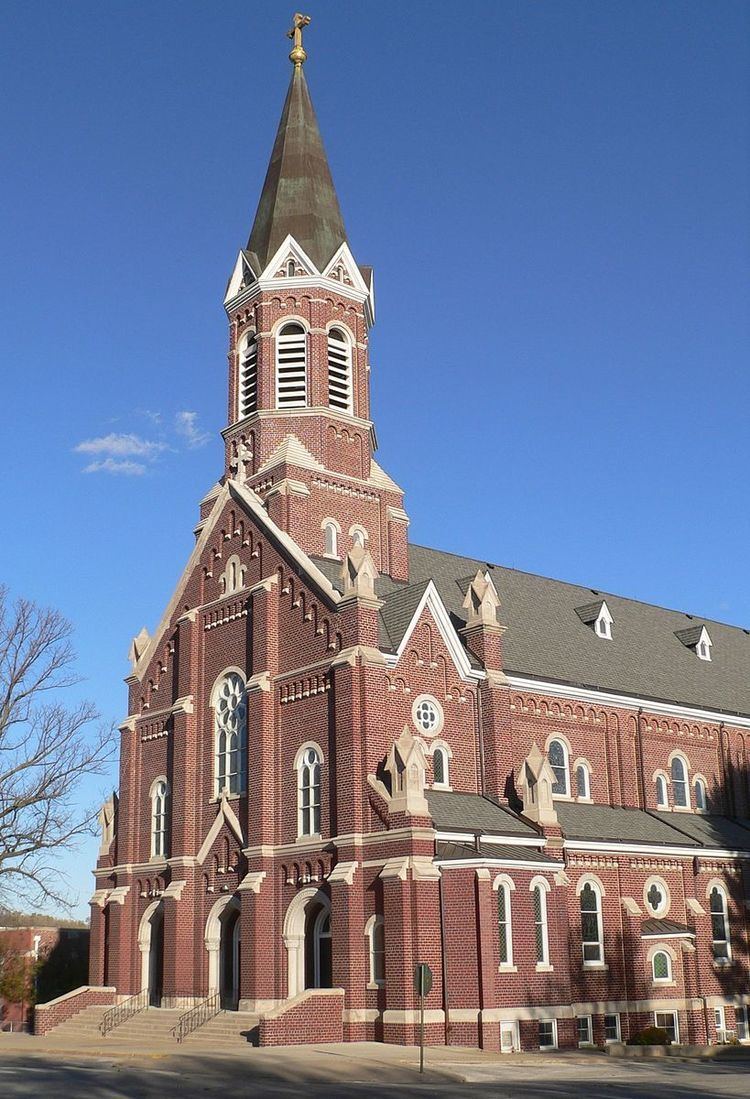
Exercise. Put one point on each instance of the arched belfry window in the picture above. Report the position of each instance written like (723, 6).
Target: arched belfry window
(247, 400)
(230, 710)
(339, 370)
(291, 366)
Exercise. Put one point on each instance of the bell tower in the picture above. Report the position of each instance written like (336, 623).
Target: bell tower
(300, 311)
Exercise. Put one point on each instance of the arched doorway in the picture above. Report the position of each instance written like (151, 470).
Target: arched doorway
(222, 939)
(151, 945)
(318, 946)
(307, 937)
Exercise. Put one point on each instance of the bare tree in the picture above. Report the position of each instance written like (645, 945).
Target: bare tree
(46, 750)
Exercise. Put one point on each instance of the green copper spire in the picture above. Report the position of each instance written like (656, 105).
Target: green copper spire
(298, 196)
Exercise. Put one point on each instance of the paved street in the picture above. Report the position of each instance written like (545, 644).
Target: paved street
(362, 1072)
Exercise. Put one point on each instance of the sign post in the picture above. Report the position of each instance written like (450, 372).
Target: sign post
(422, 986)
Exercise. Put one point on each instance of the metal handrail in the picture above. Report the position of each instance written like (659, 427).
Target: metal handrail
(120, 1013)
(197, 1016)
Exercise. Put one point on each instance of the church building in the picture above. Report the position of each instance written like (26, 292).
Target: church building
(346, 754)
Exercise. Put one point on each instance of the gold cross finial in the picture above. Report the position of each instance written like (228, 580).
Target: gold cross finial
(298, 55)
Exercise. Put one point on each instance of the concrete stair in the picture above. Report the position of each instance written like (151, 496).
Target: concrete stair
(154, 1027)
(227, 1029)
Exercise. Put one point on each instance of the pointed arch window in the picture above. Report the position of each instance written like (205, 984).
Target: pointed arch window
(678, 772)
(291, 366)
(699, 790)
(230, 709)
(661, 792)
(504, 921)
(248, 376)
(308, 791)
(591, 924)
(720, 946)
(159, 795)
(339, 370)
(583, 782)
(441, 755)
(557, 753)
(331, 531)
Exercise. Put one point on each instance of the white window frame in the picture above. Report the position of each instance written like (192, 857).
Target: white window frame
(371, 927)
(669, 979)
(542, 964)
(699, 783)
(603, 623)
(598, 890)
(340, 373)
(291, 394)
(437, 728)
(722, 892)
(562, 741)
(676, 1022)
(247, 375)
(678, 757)
(547, 1022)
(447, 754)
(703, 646)
(590, 1026)
(511, 1028)
(159, 796)
(742, 1022)
(223, 760)
(505, 885)
(661, 780)
(662, 886)
(585, 766)
(618, 1026)
(314, 808)
(331, 533)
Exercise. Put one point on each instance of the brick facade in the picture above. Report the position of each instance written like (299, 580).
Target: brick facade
(247, 899)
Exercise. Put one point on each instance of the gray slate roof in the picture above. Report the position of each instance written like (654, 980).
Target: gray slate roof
(710, 831)
(454, 812)
(546, 638)
(607, 822)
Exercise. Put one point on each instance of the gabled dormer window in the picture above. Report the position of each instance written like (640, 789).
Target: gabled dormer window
(696, 638)
(598, 617)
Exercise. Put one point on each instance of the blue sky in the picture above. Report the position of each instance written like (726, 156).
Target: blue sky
(554, 196)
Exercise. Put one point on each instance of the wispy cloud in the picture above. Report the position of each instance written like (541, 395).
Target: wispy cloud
(121, 446)
(123, 467)
(186, 424)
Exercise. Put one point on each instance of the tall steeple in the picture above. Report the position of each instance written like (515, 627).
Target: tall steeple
(298, 196)
(300, 309)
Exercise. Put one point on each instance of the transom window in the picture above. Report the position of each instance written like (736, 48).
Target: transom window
(339, 370)
(308, 791)
(230, 709)
(591, 924)
(427, 714)
(557, 753)
(291, 366)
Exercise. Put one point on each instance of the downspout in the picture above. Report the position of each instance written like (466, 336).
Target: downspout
(443, 959)
(480, 739)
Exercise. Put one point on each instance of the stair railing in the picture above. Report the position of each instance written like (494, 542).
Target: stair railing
(121, 1012)
(197, 1016)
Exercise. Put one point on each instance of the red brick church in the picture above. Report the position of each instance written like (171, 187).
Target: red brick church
(346, 754)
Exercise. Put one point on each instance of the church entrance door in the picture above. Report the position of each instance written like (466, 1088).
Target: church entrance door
(156, 959)
(318, 972)
(229, 959)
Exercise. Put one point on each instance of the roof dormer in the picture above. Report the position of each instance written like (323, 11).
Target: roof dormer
(597, 616)
(696, 638)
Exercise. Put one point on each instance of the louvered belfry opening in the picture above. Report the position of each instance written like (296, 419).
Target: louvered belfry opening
(248, 388)
(339, 371)
(291, 367)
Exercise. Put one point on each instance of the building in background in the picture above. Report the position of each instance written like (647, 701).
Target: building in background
(346, 754)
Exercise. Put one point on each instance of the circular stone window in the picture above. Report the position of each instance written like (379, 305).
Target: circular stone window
(656, 896)
(427, 714)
